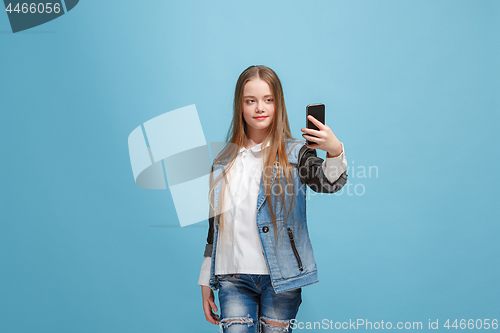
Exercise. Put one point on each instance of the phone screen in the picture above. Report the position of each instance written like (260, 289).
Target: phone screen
(318, 112)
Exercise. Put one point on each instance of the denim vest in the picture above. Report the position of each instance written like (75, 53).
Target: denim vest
(290, 259)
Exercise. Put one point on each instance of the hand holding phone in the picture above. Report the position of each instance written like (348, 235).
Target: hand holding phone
(317, 134)
(318, 112)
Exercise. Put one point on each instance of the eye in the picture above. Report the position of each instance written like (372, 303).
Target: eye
(249, 101)
(269, 100)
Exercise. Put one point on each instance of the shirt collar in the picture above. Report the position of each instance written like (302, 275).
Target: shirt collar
(256, 148)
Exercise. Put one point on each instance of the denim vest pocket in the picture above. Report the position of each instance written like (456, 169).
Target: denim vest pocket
(294, 248)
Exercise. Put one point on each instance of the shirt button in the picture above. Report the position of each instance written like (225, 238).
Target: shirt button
(265, 229)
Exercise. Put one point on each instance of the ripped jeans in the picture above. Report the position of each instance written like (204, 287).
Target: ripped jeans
(248, 303)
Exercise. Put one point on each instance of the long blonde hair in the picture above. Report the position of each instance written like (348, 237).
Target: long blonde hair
(276, 155)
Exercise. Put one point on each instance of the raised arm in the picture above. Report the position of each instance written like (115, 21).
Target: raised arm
(311, 170)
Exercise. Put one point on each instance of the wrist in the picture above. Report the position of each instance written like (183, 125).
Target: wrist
(336, 152)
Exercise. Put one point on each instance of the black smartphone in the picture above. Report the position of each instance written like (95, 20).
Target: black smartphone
(318, 112)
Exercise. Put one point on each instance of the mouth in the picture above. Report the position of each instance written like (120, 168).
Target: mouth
(260, 118)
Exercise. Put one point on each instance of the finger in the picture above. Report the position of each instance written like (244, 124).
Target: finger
(213, 306)
(313, 146)
(311, 131)
(208, 313)
(215, 318)
(316, 122)
(311, 138)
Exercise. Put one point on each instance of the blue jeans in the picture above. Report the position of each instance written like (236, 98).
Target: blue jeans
(248, 303)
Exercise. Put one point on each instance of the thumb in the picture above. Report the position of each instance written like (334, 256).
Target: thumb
(213, 306)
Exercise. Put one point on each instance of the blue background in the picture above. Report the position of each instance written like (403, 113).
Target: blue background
(411, 88)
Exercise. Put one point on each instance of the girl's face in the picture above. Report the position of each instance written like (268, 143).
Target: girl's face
(258, 106)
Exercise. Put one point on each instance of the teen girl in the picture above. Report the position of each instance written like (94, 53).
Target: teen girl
(258, 253)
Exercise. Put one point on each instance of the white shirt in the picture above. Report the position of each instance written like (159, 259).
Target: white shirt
(239, 248)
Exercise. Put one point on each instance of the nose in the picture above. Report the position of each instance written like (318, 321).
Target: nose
(259, 107)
